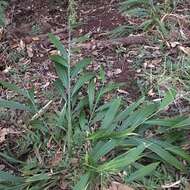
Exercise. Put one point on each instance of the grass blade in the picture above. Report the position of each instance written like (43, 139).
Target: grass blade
(83, 182)
(37, 177)
(59, 59)
(142, 172)
(14, 88)
(111, 113)
(62, 73)
(6, 177)
(14, 105)
(123, 160)
(91, 94)
(102, 148)
(57, 43)
(165, 155)
(124, 114)
(81, 81)
(168, 99)
(79, 66)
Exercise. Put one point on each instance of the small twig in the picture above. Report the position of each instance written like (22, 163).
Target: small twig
(171, 185)
(42, 111)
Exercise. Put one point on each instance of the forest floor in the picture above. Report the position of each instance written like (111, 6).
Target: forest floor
(25, 47)
(25, 50)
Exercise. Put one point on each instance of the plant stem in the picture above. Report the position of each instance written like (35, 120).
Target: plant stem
(69, 132)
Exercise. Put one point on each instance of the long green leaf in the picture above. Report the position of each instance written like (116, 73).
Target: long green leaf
(124, 114)
(91, 94)
(173, 149)
(14, 105)
(83, 182)
(6, 177)
(168, 99)
(111, 113)
(142, 172)
(14, 88)
(140, 116)
(182, 124)
(81, 81)
(123, 160)
(168, 122)
(37, 177)
(102, 148)
(57, 43)
(165, 155)
(10, 159)
(59, 59)
(62, 73)
(79, 66)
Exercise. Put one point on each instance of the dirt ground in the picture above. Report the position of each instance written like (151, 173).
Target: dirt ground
(25, 47)
(25, 50)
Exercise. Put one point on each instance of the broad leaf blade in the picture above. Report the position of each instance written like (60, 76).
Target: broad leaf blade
(123, 160)
(37, 177)
(102, 148)
(59, 59)
(111, 113)
(6, 177)
(124, 114)
(57, 43)
(83, 182)
(62, 73)
(14, 88)
(142, 172)
(165, 155)
(81, 81)
(168, 99)
(14, 105)
(91, 94)
(79, 66)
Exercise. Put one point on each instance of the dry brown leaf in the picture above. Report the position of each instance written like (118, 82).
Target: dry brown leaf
(151, 92)
(7, 69)
(4, 132)
(118, 71)
(30, 51)
(187, 187)
(54, 52)
(57, 158)
(185, 50)
(119, 186)
(63, 184)
(1, 33)
(35, 38)
(174, 44)
(156, 61)
(22, 45)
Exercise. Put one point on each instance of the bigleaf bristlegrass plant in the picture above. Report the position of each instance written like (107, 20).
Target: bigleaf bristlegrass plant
(149, 11)
(87, 142)
(107, 138)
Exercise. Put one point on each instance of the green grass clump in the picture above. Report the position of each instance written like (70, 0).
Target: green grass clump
(149, 12)
(86, 141)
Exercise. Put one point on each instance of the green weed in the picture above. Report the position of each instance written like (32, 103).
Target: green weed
(102, 140)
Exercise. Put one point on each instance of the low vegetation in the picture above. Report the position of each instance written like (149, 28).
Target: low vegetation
(85, 136)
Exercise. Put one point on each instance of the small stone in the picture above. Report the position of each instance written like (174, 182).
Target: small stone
(109, 74)
(2, 166)
(118, 71)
